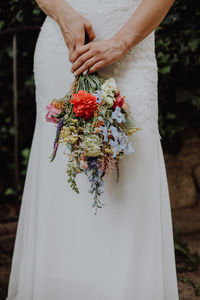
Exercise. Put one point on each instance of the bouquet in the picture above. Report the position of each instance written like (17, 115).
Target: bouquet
(94, 123)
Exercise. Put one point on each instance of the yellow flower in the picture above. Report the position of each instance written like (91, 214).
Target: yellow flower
(107, 150)
(97, 130)
(66, 140)
(65, 132)
(73, 140)
(131, 131)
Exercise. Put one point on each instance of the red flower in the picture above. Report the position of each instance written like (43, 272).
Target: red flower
(84, 104)
(119, 101)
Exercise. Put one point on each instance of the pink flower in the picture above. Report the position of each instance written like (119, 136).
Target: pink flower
(83, 164)
(52, 113)
(119, 101)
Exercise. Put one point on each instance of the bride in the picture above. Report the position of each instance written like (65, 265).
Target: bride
(125, 252)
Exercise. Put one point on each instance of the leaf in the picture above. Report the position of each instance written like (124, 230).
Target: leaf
(25, 153)
(171, 116)
(164, 58)
(165, 70)
(19, 16)
(196, 102)
(9, 192)
(1, 24)
(9, 51)
(36, 11)
(194, 44)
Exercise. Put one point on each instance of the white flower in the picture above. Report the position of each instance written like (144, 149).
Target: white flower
(109, 86)
(109, 101)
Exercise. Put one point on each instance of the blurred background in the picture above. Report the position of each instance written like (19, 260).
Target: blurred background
(177, 51)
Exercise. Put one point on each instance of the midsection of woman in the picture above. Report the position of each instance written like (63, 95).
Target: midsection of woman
(135, 72)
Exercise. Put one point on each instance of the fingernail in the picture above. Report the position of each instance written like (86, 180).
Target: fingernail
(85, 72)
(75, 74)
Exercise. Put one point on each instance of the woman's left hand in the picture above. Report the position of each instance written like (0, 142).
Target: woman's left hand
(96, 55)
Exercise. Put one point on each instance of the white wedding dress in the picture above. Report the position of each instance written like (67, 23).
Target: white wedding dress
(63, 251)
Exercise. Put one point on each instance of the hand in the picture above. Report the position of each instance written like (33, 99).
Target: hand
(96, 55)
(73, 27)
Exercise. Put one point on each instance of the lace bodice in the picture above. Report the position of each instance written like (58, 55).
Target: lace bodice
(136, 72)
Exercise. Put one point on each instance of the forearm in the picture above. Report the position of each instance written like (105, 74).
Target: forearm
(72, 24)
(53, 8)
(146, 18)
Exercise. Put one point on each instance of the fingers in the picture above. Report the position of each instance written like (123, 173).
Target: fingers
(87, 65)
(100, 64)
(90, 31)
(74, 43)
(81, 60)
(80, 47)
(79, 50)
(71, 44)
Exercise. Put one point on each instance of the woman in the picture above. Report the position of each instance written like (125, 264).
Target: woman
(125, 252)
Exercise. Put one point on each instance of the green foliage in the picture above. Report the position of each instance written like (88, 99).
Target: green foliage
(177, 51)
(24, 161)
(186, 261)
(14, 13)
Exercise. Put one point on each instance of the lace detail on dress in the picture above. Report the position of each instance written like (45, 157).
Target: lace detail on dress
(50, 37)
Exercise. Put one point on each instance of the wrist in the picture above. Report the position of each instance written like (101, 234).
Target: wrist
(62, 9)
(120, 42)
(127, 39)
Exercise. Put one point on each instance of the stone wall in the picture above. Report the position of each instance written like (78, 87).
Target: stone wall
(183, 172)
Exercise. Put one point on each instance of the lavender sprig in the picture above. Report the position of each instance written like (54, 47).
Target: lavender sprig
(55, 145)
(96, 181)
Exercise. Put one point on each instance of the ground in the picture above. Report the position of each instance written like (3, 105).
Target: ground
(188, 280)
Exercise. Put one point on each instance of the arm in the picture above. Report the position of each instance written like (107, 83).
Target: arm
(147, 17)
(95, 55)
(73, 25)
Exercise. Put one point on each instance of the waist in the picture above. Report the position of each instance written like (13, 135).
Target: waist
(106, 16)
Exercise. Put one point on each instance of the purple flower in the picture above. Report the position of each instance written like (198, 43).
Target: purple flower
(126, 144)
(98, 94)
(95, 176)
(59, 127)
(118, 115)
(104, 131)
(115, 132)
(55, 145)
(116, 147)
(92, 162)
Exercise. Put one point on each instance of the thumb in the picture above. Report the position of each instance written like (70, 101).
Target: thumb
(71, 53)
(90, 32)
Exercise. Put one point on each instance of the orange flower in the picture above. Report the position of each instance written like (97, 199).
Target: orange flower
(98, 123)
(58, 104)
(85, 104)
